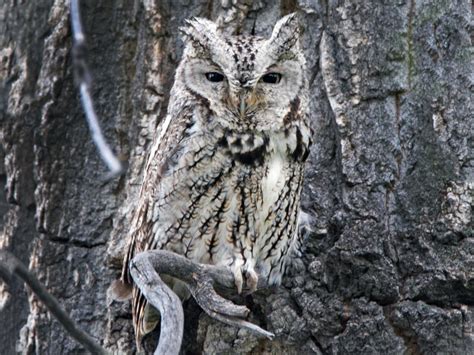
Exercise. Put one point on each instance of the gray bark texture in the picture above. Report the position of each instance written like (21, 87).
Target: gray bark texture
(389, 263)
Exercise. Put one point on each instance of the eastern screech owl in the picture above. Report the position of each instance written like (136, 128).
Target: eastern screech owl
(223, 180)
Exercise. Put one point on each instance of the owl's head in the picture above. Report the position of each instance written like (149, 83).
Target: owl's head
(248, 82)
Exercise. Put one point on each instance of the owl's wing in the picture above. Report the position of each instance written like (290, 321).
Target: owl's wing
(166, 145)
(171, 134)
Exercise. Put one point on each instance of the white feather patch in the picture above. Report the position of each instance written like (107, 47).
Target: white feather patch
(272, 183)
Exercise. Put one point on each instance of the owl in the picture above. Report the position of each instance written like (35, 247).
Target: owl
(223, 179)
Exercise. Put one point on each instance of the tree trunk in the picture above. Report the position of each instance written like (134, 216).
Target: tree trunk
(389, 263)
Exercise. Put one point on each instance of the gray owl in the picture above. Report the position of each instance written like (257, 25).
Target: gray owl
(223, 179)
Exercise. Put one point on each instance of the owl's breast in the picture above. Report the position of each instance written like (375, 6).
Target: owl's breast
(232, 195)
(246, 148)
(273, 180)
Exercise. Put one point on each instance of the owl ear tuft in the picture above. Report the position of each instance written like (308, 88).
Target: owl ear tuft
(199, 31)
(285, 34)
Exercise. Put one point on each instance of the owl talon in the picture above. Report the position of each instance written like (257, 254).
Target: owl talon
(238, 278)
(251, 280)
(245, 277)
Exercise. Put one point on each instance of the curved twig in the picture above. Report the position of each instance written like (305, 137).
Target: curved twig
(201, 280)
(83, 80)
(205, 295)
(162, 298)
(10, 265)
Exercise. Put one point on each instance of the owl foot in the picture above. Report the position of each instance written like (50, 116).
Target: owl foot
(238, 277)
(251, 278)
(200, 280)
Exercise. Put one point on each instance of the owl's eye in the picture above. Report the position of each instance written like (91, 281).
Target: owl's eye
(271, 78)
(214, 77)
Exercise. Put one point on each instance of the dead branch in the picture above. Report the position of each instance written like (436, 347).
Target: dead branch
(201, 280)
(83, 79)
(10, 265)
(163, 299)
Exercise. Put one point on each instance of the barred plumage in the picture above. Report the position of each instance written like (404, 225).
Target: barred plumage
(223, 180)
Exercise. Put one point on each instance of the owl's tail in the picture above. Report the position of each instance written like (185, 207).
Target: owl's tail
(145, 317)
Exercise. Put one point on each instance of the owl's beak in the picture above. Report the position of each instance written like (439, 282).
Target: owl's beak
(246, 102)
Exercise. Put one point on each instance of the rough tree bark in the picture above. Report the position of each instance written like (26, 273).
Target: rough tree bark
(389, 266)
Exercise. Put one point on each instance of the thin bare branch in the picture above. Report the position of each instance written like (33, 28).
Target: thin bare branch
(10, 265)
(83, 80)
(201, 280)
